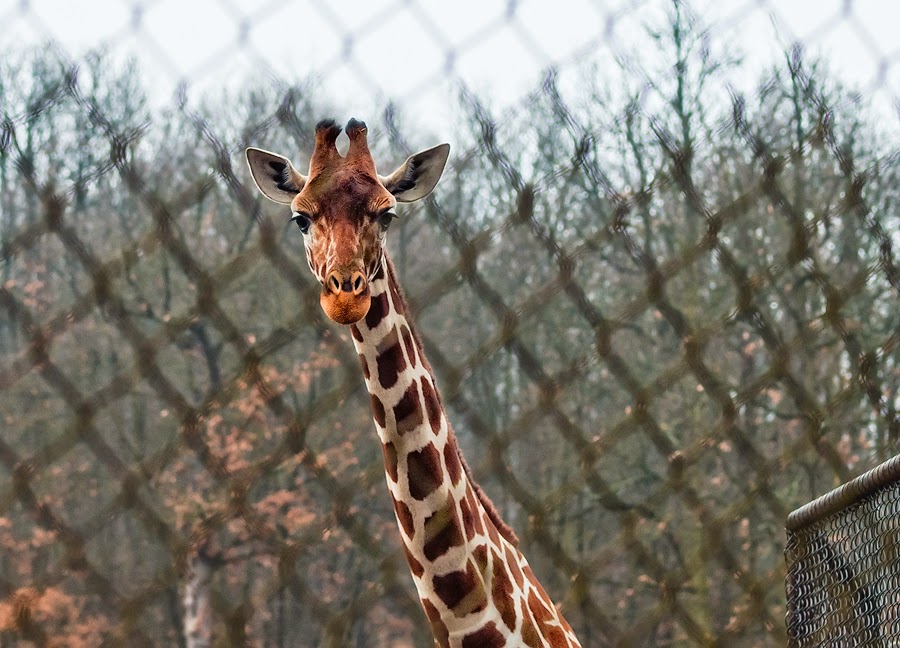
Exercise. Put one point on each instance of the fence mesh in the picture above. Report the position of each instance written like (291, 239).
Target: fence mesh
(843, 575)
(661, 319)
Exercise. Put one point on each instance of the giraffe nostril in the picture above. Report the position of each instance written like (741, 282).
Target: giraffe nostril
(334, 284)
(359, 282)
(338, 283)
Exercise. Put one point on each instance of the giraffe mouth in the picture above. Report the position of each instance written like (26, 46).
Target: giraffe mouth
(345, 307)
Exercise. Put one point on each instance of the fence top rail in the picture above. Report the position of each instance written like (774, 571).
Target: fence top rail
(843, 496)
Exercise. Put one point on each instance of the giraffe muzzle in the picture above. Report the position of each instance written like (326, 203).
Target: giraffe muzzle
(354, 282)
(345, 296)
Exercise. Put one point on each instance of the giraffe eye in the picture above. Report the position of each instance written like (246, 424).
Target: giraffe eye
(303, 221)
(385, 220)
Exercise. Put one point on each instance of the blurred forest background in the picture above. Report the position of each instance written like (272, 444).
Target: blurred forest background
(662, 316)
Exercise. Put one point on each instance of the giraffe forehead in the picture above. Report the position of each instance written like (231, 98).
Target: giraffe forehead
(343, 192)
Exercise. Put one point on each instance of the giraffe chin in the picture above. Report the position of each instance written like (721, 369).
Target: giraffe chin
(345, 308)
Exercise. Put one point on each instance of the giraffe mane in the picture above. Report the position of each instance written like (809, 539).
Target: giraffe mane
(489, 507)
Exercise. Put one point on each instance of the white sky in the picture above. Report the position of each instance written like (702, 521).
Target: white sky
(366, 51)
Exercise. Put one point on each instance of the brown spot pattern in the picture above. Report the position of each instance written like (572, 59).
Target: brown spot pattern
(529, 633)
(486, 637)
(537, 586)
(414, 565)
(452, 462)
(553, 634)
(467, 515)
(432, 405)
(513, 561)
(477, 526)
(390, 360)
(423, 468)
(442, 531)
(390, 460)
(408, 410)
(493, 534)
(404, 516)
(365, 365)
(461, 591)
(502, 593)
(377, 410)
(377, 310)
(408, 343)
(396, 298)
(438, 627)
(354, 331)
(480, 553)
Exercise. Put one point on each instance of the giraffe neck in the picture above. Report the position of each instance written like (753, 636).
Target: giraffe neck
(476, 587)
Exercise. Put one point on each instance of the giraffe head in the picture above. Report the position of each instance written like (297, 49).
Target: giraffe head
(343, 208)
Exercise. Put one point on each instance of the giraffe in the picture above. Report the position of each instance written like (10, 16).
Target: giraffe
(475, 586)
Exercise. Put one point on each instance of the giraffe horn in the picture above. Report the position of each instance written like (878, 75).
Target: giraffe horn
(359, 145)
(325, 151)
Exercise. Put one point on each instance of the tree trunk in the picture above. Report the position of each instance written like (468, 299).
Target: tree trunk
(197, 610)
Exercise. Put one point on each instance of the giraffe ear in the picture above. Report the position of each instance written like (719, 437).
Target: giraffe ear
(418, 175)
(275, 176)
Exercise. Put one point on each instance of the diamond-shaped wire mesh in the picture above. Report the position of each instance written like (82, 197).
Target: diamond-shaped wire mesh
(843, 581)
(662, 316)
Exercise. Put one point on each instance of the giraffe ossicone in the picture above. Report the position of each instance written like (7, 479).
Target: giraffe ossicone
(475, 585)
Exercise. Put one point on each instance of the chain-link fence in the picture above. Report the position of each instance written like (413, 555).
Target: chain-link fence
(843, 582)
(661, 317)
